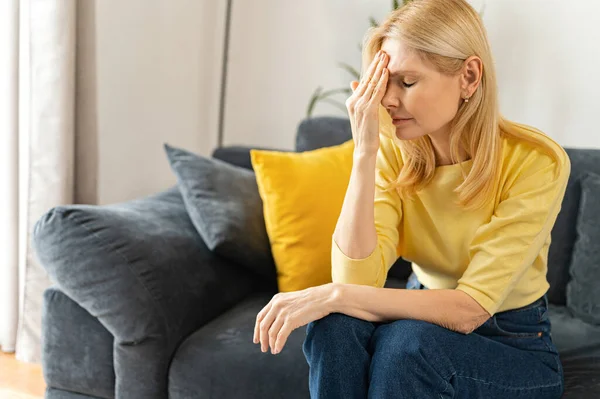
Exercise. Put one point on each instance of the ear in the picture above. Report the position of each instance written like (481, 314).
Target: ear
(471, 76)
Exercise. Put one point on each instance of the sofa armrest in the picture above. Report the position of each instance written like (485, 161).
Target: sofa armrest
(141, 268)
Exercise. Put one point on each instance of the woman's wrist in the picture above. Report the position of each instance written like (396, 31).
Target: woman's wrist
(364, 156)
(334, 298)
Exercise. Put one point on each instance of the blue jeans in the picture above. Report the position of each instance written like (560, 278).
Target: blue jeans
(510, 356)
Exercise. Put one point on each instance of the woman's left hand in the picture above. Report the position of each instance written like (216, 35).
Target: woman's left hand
(290, 310)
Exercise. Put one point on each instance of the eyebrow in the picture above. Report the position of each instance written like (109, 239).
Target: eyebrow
(403, 73)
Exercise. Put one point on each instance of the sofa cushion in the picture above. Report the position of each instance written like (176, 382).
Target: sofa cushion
(579, 346)
(563, 233)
(77, 351)
(302, 195)
(221, 361)
(583, 291)
(322, 132)
(570, 333)
(225, 206)
(582, 375)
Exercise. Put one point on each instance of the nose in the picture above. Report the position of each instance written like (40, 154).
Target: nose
(390, 101)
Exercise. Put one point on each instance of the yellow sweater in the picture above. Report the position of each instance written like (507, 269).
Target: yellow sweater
(497, 255)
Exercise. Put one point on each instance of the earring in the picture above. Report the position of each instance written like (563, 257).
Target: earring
(466, 99)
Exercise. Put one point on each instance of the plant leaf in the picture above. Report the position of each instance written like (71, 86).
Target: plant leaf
(313, 101)
(350, 69)
(395, 5)
(374, 23)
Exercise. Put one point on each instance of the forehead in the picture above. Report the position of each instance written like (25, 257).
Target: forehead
(402, 58)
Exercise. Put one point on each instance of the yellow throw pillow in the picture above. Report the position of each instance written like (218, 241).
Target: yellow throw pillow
(302, 194)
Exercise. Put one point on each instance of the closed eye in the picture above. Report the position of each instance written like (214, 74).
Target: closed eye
(407, 85)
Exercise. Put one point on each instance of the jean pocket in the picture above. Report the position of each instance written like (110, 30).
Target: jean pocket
(525, 322)
(517, 331)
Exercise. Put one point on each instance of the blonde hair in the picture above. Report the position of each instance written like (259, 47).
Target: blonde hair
(446, 33)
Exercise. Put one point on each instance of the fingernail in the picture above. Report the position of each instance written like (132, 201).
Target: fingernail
(379, 53)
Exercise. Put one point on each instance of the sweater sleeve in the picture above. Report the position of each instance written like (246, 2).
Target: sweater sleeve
(503, 249)
(373, 269)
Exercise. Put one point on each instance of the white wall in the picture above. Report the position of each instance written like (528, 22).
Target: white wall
(281, 51)
(146, 75)
(548, 55)
(149, 72)
(546, 51)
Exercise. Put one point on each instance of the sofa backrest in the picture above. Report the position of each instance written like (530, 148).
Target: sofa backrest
(320, 132)
(564, 231)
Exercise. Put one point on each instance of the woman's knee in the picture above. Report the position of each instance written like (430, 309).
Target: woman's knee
(337, 325)
(337, 331)
(403, 352)
(404, 338)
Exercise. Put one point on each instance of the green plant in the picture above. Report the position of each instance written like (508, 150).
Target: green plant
(324, 95)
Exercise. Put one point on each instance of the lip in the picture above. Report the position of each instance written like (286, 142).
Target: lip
(401, 121)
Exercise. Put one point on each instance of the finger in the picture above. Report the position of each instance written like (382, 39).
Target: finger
(367, 78)
(259, 318)
(265, 326)
(379, 90)
(274, 332)
(368, 75)
(284, 333)
(375, 79)
(353, 85)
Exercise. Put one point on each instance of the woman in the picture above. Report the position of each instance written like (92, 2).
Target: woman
(441, 179)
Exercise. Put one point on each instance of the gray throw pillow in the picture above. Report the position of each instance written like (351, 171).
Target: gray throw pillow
(583, 291)
(225, 207)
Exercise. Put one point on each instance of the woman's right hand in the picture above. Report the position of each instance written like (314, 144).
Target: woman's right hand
(363, 106)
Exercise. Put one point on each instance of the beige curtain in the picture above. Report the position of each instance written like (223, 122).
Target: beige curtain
(37, 69)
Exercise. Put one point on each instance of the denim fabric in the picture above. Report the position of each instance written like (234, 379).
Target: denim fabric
(510, 355)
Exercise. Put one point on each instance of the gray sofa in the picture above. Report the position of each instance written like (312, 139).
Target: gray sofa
(142, 309)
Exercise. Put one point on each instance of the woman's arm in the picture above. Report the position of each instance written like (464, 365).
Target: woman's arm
(451, 309)
(365, 238)
(355, 232)
(365, 241)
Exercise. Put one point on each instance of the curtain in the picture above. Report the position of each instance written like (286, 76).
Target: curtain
(37, 120)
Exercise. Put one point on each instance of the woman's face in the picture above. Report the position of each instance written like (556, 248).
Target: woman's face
(424, 98)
